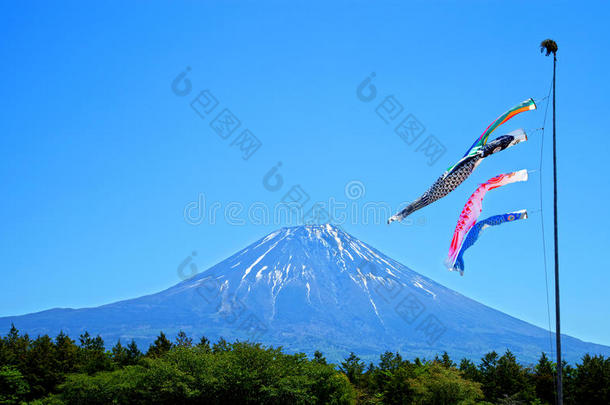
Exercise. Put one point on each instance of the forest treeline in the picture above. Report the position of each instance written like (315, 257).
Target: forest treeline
(64, 371)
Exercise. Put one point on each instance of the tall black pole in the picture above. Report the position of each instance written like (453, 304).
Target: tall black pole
(550, 47)
(557, 312)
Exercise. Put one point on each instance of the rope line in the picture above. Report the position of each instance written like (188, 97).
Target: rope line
(546, 276)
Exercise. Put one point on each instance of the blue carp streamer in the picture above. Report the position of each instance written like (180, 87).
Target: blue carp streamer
(476, 230)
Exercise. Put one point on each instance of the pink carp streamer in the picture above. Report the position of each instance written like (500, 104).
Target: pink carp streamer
(472, 210)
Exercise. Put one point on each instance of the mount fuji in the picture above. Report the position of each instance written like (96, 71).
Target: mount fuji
(308, 288)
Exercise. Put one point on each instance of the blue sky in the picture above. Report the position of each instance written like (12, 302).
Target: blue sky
(99, 157)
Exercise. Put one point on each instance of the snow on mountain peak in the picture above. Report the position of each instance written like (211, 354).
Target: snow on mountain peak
(305, 244)
(315, 265)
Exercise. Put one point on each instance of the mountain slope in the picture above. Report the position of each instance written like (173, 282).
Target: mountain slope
(313, 288)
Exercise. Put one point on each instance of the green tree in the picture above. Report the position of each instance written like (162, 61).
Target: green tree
(469, 370)
(446, 361)
(120, 355)
(16, 347)
(133, 353)
(157, 382)
(512, 379)
(383, 374)
(182, 340)
(160, 346)
(544, 380)
(352, 367)
(4, 352)
(13, 386)
(389, 361)
(244, 373)
(319, 358)
(92, 354)
(221, 346)
(592, 380)
(437, 384)
(66, 354)
(489, 376)
(397, 388)
(204, 344)
(41, 370)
